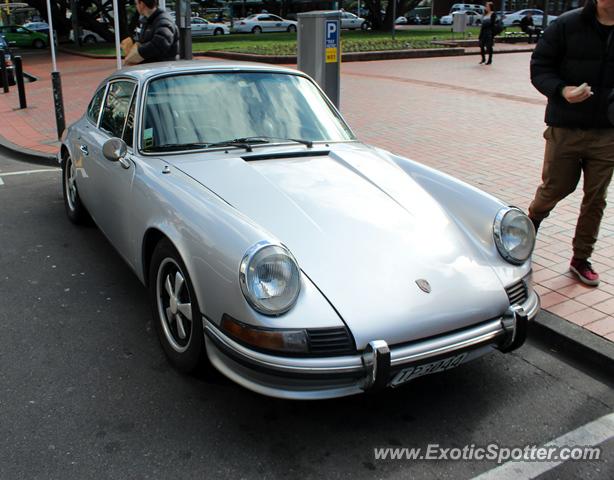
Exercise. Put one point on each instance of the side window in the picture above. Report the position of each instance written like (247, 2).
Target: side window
(129, 128)
(116, 107)
(93, 110)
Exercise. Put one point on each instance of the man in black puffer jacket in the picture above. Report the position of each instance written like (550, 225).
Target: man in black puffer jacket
(159, 38)
(573, 65)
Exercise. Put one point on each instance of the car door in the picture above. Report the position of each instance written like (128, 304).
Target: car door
(277, 24)
(23, 38)
(207, 28)
(198, 27)
(84, 143)
(264, 22)
(351, 21)
(111, 182)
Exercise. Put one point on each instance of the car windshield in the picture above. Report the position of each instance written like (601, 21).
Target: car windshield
(205, 108)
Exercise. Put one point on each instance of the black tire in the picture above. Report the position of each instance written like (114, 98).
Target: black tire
(186, 353)
(257, 30)
(364, 26)
(291, 28)
(38, 43)
(218, 31)
(75, 210)
(89, 39)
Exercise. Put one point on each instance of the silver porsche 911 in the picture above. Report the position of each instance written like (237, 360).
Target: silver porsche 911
(298, 261)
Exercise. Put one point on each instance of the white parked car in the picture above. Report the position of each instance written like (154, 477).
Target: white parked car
(201, 27)
(472, 18)
(264, 22)
(514, 18)
(87, 36)
(401, 21)
(351, 21)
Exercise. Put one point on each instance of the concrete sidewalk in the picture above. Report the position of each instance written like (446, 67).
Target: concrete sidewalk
(480, 123)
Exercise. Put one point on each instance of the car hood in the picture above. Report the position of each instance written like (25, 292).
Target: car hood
(365, 233)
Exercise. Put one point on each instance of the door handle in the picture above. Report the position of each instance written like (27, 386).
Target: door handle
(84, 149)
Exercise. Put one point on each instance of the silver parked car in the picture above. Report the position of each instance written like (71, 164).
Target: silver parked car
(297, 260)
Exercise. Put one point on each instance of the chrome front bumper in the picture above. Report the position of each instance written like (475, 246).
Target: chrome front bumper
(319, 378)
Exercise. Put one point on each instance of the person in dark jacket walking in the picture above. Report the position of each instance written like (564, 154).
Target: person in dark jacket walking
(158, 40)
(487, 33)
(573, 65)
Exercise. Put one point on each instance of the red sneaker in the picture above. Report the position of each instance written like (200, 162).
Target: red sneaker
(584, 270)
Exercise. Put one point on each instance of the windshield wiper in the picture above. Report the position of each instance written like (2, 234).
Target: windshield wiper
(166, 147)
(307, 143)
(245, 142)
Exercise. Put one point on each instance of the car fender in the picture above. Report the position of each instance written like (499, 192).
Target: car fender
(212, 237)
(468, 206)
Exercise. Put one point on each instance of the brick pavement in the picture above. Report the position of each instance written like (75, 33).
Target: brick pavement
(481, 124)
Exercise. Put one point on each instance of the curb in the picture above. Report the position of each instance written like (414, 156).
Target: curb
(346, 57)
(574, 340)
(33, 156)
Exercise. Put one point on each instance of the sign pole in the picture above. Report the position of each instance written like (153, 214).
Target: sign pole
(56, 81)
(118, 52)
(394, 18)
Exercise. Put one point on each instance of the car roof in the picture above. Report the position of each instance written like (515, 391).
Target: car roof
(144, 72)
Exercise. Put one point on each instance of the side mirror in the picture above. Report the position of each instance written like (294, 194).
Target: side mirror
(114, 149)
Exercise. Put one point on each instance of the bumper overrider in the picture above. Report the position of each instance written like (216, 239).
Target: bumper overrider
(379, 365)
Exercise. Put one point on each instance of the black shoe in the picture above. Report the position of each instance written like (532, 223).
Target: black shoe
(535, 223)
(489, 62)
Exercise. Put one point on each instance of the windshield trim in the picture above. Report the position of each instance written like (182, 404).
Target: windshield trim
(145, 90)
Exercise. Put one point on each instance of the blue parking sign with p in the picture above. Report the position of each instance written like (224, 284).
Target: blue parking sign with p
(332, 40)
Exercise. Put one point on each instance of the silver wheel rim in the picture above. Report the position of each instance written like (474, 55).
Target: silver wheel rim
(71, 186)
(174, 305)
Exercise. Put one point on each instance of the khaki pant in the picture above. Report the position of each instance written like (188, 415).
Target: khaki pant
(570, 152)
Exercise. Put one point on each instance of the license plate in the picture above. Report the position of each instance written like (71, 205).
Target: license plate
(410, 373)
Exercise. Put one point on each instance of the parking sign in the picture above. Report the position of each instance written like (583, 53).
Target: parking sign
(332, 41)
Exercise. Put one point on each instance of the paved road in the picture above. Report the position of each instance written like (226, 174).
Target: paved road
(87, 393)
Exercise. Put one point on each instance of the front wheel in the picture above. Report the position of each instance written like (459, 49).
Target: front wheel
(364, 26)
(89, 39)
(218, 31)
(75, 211)
(175, 310)
(292, 28)
(38, 43)
(257, 30)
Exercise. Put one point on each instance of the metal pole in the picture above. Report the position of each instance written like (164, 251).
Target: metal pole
(432, 7)
(118, 53)
(358, 9)
(394, 17)
(19, 80)
(56, 82)
(58, 102)
(51, 35)
(183, 15)
(4, 73)
(545, 15)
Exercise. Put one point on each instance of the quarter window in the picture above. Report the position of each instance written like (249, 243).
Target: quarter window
(116, 107)
(93, 110)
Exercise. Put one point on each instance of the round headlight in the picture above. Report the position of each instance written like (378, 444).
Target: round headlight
(270, 278)
(514, 235)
